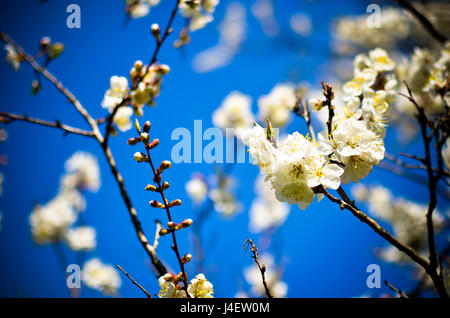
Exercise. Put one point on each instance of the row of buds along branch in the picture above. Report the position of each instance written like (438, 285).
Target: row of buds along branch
(160, 186)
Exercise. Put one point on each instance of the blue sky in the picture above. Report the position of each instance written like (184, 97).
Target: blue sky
(325, 250)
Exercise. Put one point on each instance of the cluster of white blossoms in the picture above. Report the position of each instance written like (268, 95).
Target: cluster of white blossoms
(426, 74)
(266, 211)
(51, 222)
(199, 287)
(347, 153)
(252, 275)
(403, 215)
(146, 83)
(12, 57)
(101, 277)
(277, 106)
(139, 8)
(199, 12)
(359, 30)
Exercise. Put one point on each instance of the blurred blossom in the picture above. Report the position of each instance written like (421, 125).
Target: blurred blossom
(49, 222)
(199, 12)
(81, 238)
(252, 274)
(101, 277)
(12, 57)
(231, 35)
(234, 112)
(301, 24)
(277, 106)
(263, 11)
(403, 215)
(139, 8)
(266, 211)
(223, 197)
(197, 189)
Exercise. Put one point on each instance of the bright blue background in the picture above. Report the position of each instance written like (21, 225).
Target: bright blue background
(326, 250)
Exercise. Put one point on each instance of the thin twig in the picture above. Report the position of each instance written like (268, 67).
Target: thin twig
(134, 282)
(107, 151)
(153, 59)
(262, 267)
(398, 291)
(407, 5)
(10, 117)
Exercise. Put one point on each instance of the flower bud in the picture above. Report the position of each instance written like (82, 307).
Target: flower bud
(169, 277)
(186, 223)
(55, 50)
(186, 258)
(154, 143)
(156, 31)
(176, 202)
(166, 164)
(156, 204)
(138, 65)
(137, 126)
(145, 137)
(140, 157)
(44, 44)
(151, 187)
(134, 141)
(163, 69)
(163, 232)
(146, 127)
(165, 185)
(171, 225)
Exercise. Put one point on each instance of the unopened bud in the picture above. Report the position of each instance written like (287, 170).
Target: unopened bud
(169, 277)
(186, 223)
(163, 69)
(44, 44)
(140, 157)
(166, 164)
(138, 65)
(147, 126)
(137, 126)
(186, 258)
(145, 137)
(171, 225)
(165, 185)
(163, 232)
(154, 143)
(156, 31)
(134, 141)
(180, 277)
(151, 187)
(176, 202)
(156, 204)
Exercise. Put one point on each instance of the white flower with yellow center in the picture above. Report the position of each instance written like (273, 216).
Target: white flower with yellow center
(200, 287)
(381, 61)
(115, 94)
(169, 288)
(260, 148)
(122, 118)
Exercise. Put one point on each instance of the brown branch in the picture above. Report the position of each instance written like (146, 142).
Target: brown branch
(134, 282)
(398, 291)
(432, 185)
(262, 268)
(376, 227)
(403, 164)
(407, 5)
(10, 117)
(329, 96)
(107, 151)
(159, 43)
(302, 110)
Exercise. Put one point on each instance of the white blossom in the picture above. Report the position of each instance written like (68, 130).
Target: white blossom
(234, 112)
(200, 287)
(197, 189)
(12, 57)
(81, 238)
(102, 277)
(116, 93)
(277, 106)
(82, 172)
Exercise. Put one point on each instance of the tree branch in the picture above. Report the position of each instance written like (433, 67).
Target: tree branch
(262, 268)
(10, 117)
(134, 282)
